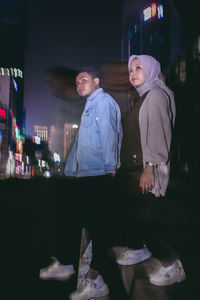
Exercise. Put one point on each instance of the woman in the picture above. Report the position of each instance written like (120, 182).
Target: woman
(145, 167)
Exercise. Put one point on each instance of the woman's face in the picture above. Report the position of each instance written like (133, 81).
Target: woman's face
(136, 73)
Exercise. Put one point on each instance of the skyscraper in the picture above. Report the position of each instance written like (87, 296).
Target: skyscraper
(151, 28)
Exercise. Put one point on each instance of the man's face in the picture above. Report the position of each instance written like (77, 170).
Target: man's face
(85, 84)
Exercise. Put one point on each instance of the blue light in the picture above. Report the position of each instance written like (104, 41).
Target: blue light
(15, 85)
(160, 11)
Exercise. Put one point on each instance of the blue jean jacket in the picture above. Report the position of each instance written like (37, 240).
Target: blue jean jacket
(96, 150)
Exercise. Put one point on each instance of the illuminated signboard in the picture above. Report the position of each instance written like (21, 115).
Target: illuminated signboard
(36, 140)
(153, 11)
(2, 113)
(18, 157)
(160, 11)
(11, 72)
(19, 147)
(17, 131)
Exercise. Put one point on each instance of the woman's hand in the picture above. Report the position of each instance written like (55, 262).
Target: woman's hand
(147, 179)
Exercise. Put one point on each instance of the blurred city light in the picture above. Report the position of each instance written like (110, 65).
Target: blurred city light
(47, 173)
(152, 11)
(56, 157)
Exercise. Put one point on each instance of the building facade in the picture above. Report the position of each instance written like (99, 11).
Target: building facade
(70, 131)
(41, 132)
(7, 120)
(151, 28)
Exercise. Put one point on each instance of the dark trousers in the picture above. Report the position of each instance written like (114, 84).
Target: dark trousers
(86, 202)
(97, 198)
(142, 218)
(69, 219)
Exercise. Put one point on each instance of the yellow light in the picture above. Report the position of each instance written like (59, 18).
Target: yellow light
(153, 9)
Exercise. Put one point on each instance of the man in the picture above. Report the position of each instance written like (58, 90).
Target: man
(98, 141)
(94, 158)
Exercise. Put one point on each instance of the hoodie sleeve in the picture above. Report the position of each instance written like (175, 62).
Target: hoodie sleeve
(156, 127)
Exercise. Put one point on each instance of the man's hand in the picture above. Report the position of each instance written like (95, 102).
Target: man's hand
(112, 175)
(147, 179)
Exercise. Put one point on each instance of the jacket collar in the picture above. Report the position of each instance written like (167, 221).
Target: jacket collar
(94, 94)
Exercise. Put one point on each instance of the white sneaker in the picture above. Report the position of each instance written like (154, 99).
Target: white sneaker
(91, 289)
(57, 271)
(169, 275)
(132, 257)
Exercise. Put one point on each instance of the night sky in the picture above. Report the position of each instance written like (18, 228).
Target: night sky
(73, 34)
(69, 33)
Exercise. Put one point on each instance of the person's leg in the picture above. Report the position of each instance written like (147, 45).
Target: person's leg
(103, 270)
(104, 263)
(126, 208)
(154, 222)
(100, 225)
(143, 216)
(128, 241)
(148, 222)
(155, 219)
(69, 218)
(69, 227)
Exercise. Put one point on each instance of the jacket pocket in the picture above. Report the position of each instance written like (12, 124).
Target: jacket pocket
(87, 118)
(94, 152)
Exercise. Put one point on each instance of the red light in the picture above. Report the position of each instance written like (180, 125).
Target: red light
(2, 113)
(153, 10)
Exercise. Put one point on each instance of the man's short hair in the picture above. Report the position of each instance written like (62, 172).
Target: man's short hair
(90, 70)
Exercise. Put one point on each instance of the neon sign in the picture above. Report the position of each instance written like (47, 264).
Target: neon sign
(152, 11)
(2, 113)
(17, 131)
(160, 11)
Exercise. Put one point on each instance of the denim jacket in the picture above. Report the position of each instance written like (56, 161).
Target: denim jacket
(96, 150)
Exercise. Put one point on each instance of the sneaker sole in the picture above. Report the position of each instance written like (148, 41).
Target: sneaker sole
(58, 278)
(134, 261)
(85, 297)
(157, 283)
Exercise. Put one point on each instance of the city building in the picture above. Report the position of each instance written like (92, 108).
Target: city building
(183, 78)
(8, 124)
(11, 122)
(69, 135)
(42, 132)
(13, 33)
(60, 142)
(12, 52)
(151, 28)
